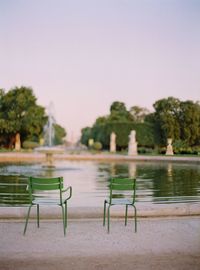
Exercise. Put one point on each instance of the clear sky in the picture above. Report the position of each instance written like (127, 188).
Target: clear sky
(84, 54)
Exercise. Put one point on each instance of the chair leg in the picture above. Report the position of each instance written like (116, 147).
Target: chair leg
(126, 214)
(135, 218)
(104, 214)
(63, 217)
(66, 214)
(38, 215)
(108, 218)
(27, 218)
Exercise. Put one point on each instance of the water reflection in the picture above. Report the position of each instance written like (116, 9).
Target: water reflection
(156, 182)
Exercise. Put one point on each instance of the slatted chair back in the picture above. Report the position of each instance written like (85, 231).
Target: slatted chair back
(122, 188)
(13, 190)
(49, 188)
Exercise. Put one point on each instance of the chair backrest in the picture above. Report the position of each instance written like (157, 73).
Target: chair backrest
(45, 187)
(13, 190)
(122, 188)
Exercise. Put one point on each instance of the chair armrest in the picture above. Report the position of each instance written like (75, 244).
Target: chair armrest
(70, 192)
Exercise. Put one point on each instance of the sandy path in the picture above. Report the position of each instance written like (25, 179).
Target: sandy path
(158, 244)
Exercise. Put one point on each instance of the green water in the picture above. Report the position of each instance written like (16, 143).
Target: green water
(157, 182)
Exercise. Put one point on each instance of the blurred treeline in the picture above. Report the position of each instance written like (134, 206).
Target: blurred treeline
(171, 118)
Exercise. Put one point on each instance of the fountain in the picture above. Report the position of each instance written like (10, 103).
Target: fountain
(49, 133)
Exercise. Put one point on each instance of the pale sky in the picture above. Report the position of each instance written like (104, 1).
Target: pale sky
(84, 54)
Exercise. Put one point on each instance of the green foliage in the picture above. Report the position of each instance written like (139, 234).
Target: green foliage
(119, 107)
(171, 119)
(30, 145)
(178, 145)
(190, 122)
(145, 133)
(138, 114)
(101, 133)
(167, 118)
(182, 147)
(145, 150)
(60, 133)
(19, 113)
(86, 135)
(102, 128)
(97, 146)
(121, 123)
(177, 120)
(118, 112)
(196, 150)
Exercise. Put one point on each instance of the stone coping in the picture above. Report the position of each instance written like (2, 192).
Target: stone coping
(164, 210)
(37, 157)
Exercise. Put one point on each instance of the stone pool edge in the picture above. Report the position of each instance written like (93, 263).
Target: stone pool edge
(40, 157)
(175, 210)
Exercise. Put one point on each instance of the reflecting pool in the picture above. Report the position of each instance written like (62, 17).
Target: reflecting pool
(157, 182)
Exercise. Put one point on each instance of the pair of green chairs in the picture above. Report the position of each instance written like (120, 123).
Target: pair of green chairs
(48, 191)
(123, 193)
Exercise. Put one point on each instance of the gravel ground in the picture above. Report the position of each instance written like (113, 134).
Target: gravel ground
(160, 243)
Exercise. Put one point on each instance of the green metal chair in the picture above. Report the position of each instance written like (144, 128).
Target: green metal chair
(49, 192)
(122, 192)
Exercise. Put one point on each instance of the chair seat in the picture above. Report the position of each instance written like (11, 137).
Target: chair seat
(45, 201)
(120, 202)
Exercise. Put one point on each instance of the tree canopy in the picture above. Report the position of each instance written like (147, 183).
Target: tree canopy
(20, 114)
(179, 120)
(118, 112)
(166, 117)
(172, 118)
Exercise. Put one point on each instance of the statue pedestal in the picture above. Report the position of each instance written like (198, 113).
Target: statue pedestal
(132, 146)
(49, 159)
(132, 149)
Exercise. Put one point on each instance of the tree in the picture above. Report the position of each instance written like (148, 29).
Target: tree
(178, 120)
(101, 120)
(118, 106)
(189, 118)
(60, 133)
(118, 112)
(138, 114)
(166, 117)
(19, 114)
(86, 134)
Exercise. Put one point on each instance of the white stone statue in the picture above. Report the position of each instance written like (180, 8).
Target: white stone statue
(169, 151)
(112, 142)
(132, 146)
(17, 142)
